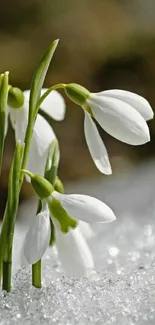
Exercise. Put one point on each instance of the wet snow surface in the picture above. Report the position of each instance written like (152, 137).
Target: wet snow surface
(123, 290)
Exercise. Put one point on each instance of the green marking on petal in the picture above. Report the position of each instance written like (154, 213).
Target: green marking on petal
(41, 186)
(52, 238)
(60, 214)
(87, 108)
(58, 186)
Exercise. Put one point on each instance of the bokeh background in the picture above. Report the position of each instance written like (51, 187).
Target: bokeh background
(104, 44)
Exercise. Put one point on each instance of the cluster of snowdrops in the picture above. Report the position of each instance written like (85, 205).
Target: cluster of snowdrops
(59, 216)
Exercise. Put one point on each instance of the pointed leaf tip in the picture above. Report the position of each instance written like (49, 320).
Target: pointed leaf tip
(39, 77)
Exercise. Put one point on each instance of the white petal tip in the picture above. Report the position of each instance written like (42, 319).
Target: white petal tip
(150, 116)
(96, 146)
(110, 218)
(144, 138)
(106, 171)
(113, 218)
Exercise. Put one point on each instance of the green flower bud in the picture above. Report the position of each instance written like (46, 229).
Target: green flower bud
(77, 93)
(59, 185)
(15, 98)
(60, 214)
(41, 186)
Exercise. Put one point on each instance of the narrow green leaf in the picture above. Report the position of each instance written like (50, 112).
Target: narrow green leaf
(39, 77)
(7, 230)
(3, 113)
(4, 91)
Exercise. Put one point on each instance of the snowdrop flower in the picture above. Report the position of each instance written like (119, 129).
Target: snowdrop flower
(43, 134)
(120, 113)
(72, 248)
(28, 208)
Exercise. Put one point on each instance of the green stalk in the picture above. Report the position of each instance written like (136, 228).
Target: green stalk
(36, 268)
(36, 275)
(3, 106)
(47, 92)
(7, 266)
(50, 175)
(15, 183)
(7, 233)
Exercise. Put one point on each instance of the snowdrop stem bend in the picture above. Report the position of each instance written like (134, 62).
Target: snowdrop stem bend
(48, 91)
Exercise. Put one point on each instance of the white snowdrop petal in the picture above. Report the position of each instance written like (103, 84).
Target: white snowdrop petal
(37, 238)
(74, 253)
(136, 101)
(96, 146)
(6, 121)
(43, 135)
(19, 259)
(27, 94)
(19, 119)
(54, 105)
(85, 208)
(119, 119)
(86, 230)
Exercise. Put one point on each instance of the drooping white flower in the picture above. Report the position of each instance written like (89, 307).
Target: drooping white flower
(85, 207)
(120, 113)
(28, 208)
(74, 253)
(43, 134)
(73, 250)
(38, 237)
(53, 105)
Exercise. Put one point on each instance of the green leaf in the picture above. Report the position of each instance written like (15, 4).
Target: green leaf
(3, 113)
(4, 91)
(7, 230)
(13, 194)
(39, 77)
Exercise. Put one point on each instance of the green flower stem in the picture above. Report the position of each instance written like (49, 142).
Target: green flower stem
(36, 268)
(27, 141)
(7, 232)
(48, 91)
(50, 175)
(4, 230)
(36, 275)
(7, 266)
(3, 237)
(4, 88)
(16, 177)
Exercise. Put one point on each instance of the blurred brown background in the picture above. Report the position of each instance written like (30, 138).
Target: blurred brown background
(104, 44)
